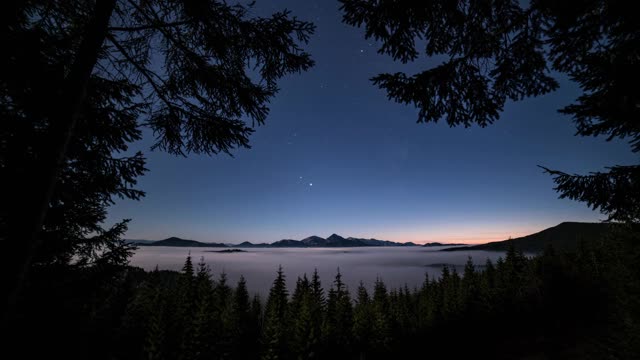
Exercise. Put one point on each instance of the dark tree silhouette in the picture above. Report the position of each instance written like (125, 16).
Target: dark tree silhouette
(338, 323)
(362, 321)
(526, 307)
(80, 78)
(275, 342)
(495, 51)
(245, 324)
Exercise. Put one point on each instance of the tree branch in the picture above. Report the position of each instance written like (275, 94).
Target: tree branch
(147, 27)
(143, 71)
(167, 35)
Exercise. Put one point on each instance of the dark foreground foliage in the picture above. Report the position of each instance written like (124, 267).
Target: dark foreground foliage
(491, 53)
(579, 305)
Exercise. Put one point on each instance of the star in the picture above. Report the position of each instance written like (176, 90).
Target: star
(310, 184)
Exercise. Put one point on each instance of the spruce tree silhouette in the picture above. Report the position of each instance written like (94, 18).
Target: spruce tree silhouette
(526, 307)
(275, 341)
(506, 50)
(193, 72)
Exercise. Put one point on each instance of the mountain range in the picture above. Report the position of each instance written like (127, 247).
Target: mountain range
(564, 236)
(334, 240)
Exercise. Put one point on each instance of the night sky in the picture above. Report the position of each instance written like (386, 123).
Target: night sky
(335, 156)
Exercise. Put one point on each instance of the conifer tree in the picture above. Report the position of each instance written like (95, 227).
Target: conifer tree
(241, 305)
(257, 313)
(155, 339)
(402, 309)
(244, 325)
(500, 277)
(514, 264)
(448, 293)
(317, 306)
(426, 304)
(470, 296)
(80, 79)
(202, 276)
(316, 290)
(188, 273)
(202, 330)
(490, 53)
(363, 322)
(141, 306)
(382, 327)
(222, 303)
(453, 295)
(185, 315)
(487, 286)
(300, 293)
(489, 274)
(338, 322)
(257, 318)
(301, 319)
(187, 289)
(275, 334)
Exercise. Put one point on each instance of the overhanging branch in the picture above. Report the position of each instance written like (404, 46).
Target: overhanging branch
(147, 27)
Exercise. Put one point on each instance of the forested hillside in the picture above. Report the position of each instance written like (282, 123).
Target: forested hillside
(555, 305)
(563, 237)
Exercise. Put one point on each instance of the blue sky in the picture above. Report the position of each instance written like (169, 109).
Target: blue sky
(335, 156)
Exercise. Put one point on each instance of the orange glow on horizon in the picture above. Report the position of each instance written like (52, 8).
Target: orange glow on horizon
(465, 235)
(476, 239)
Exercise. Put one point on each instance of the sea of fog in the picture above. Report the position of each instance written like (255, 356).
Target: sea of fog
(396, 266)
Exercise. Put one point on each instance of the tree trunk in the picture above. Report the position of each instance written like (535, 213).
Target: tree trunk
(26, 240)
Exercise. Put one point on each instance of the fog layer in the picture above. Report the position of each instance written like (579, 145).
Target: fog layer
(395, 266)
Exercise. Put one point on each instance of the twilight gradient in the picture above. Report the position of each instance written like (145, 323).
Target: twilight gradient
(335, 156)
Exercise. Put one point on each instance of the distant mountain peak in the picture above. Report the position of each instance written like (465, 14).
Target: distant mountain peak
(313, 240)
(176, 241)
(172, 238)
